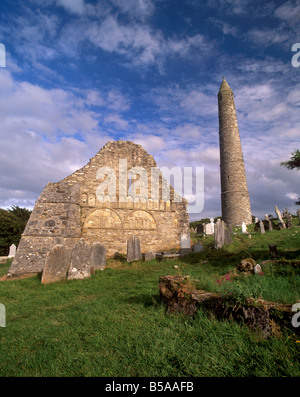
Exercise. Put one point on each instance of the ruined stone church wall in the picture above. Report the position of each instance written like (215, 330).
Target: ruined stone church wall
(70, 209)
(55, 219)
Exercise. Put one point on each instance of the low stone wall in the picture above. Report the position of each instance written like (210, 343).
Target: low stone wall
(181, 296)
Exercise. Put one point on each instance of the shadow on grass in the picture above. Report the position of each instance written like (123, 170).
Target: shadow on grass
(147, 300)
(222, 257)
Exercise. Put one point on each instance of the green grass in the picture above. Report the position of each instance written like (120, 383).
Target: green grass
(114, 324)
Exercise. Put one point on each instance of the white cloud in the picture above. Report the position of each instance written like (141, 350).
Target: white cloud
(292, 196)
(136, 8)
(268, 36)
(73, 6)
(116, 120)
(39, 142)
(289, 12)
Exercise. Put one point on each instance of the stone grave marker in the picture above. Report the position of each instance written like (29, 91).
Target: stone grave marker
(289, 221)
(219, 232)
(244, 228)
(200, 229)
(227, 237)
(56, 265)
(281, 224)
(197, 247)
(262, 227)
(270, 225)
(133, 249)
(273, 251)
(98, 256)
(12, 251)
(185, 244)
(80, 266)
(210, 227)
(149, 256)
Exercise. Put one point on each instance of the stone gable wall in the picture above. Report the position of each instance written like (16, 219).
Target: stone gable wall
(70, 209)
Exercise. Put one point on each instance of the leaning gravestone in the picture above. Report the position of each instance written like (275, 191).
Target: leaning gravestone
(98, 256)
(80, 266)
(56, 265)
(12, 251)
(133, 249)
(281, 224)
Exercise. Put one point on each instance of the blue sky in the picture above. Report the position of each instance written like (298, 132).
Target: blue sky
(80, 73)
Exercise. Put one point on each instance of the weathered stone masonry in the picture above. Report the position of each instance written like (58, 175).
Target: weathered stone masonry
(234, 191)
(69, 209)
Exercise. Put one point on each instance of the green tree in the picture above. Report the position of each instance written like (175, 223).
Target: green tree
(293, 163)
(12, 225)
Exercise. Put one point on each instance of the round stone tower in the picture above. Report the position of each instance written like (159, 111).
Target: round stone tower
(234, 191)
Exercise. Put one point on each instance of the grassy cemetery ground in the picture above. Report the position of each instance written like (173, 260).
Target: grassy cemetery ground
(114, 324)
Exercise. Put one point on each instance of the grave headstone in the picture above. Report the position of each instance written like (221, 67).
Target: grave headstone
(198, 247)
(149, 256)
(12, 251)
(289, 221)
(298, 213)
(133, 249)
(244, 228)
(227, 237)
(210, 227)
(270, 225)
(80, 266)
(219, 234)
(200, 228)
(262, 227)
(185, 244)
(56, 265)
(98, 256)
(281, 223)
(273, 251)
(256, 220)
